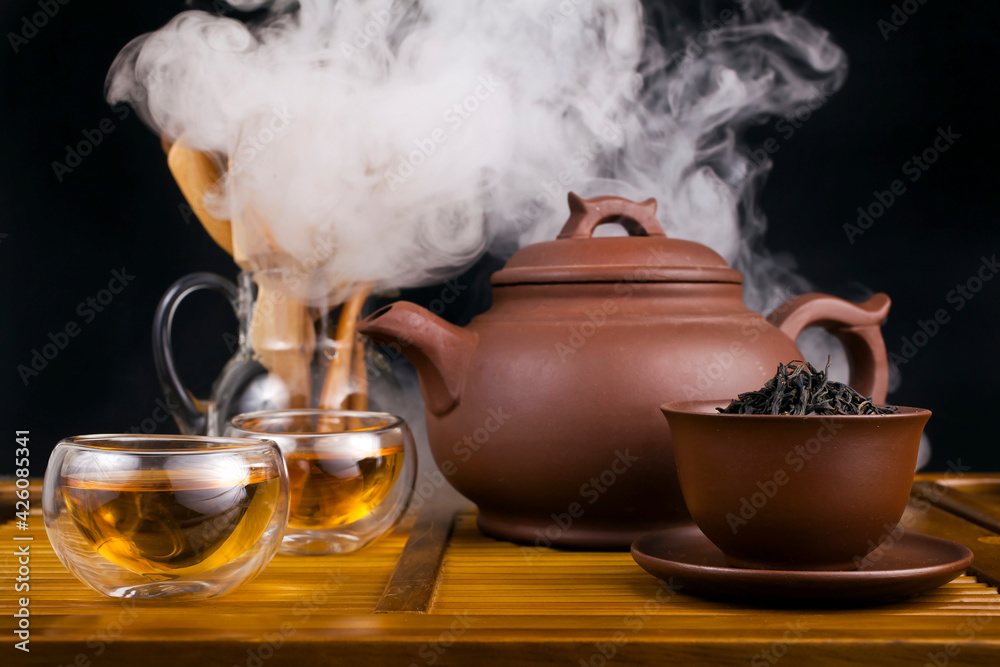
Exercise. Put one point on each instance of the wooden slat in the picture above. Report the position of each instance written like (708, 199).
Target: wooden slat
(981, 509)
(8, 497)
(339, 584)
(923, 517)
(416, 573)
(526, 639)
(481, 575)
(492, 605)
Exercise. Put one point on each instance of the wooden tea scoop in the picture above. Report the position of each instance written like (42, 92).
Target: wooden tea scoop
(284, 338)
(196, 174)
(281, 330)
(336, 385)
(358, 399)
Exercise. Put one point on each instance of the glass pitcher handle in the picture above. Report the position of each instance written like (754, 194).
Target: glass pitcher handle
(186, 411)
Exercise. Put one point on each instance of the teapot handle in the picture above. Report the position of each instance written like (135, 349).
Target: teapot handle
(186, 409)
(638, 219)
(856, 325)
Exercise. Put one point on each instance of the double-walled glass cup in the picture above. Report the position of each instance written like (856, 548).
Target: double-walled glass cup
(351, 474)
(162, 516)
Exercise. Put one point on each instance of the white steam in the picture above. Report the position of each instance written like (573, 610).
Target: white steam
(396, 141)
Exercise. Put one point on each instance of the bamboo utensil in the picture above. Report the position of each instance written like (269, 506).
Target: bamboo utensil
(282, 331)
(336, 385)
(358, 398)
(196, 174)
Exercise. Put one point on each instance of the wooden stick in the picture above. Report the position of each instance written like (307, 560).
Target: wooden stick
(281, 330)
(196, 174)
(358, 398)
(336, 385)
(284, 340)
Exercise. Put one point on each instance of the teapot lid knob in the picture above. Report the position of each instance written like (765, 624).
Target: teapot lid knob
(638, 219)
(646, 255)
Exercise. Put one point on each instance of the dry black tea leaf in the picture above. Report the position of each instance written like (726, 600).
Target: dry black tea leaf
(800, 389)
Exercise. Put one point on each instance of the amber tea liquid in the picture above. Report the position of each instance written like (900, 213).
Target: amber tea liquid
(330, 490)
(163, 524)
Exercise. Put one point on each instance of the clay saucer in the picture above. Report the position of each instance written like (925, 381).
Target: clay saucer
(906, 566)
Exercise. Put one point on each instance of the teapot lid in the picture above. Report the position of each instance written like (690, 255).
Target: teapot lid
(645, 255)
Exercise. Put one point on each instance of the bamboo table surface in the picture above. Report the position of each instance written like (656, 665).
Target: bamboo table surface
(436, 592)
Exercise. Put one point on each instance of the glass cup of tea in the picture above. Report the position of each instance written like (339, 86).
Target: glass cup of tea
(165, 516)
(350, 474)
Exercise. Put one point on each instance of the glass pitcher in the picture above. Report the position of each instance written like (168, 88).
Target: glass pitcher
(290, 353)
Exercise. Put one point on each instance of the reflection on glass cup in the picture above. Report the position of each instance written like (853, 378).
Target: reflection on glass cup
(351, 474)
(158, 516)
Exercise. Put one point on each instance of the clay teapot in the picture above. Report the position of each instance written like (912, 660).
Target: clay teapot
(544, 410)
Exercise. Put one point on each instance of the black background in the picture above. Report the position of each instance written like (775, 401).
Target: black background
(119, 209)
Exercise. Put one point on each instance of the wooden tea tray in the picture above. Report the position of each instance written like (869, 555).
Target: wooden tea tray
(972, 497)
(436, 592)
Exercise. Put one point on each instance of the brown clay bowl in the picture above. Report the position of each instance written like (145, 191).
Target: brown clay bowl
(794, 492)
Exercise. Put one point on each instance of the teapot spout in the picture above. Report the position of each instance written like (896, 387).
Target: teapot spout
(440, 351)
